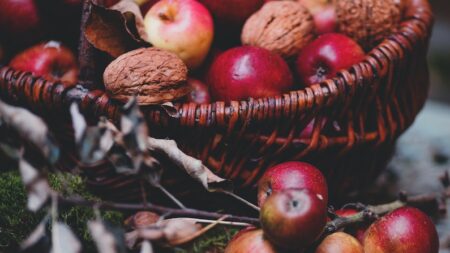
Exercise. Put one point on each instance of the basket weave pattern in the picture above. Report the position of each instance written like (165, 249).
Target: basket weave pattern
(373, 102)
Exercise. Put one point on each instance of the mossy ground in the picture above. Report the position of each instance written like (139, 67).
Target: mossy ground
(16, 222)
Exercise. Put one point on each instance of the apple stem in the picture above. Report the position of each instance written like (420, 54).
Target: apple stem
(167, 14)
(431, 202)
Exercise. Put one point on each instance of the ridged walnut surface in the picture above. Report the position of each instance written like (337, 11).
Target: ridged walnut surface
(283, 27)
(368, 21)
(153, 75)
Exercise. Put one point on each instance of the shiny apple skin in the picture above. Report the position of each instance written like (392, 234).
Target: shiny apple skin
(405, 230)
(20, 23)
(50, 60)
(325, 56)
(243, 72)
(200, 92)
(292, 175)
(250, 240)
(293, 218)
(339, 243)
(184, 27)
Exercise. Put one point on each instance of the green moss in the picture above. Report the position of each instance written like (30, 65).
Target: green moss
(16, 223)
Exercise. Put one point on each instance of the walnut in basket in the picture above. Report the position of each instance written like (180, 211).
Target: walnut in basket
(283, 27)
(153, 75)
(368, 21)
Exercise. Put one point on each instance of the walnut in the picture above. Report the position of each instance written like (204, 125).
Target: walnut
(152, 74)
(368, 21)
(283, 27)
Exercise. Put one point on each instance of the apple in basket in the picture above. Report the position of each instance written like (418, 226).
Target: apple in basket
(184, 27)
(243, 72)
(325, 56)
(50, 60)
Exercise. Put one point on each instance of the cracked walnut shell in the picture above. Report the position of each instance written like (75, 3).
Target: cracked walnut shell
(368, 21)
(283, 27)
(152, 75)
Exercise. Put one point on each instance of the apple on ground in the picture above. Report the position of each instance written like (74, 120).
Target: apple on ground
(293, 218)
(292, 175)
(184, 27)
(50, 60)
(243, 72)
(325, 56)
(199, 93)
(406, 229)
(250, 240)
(339, 243)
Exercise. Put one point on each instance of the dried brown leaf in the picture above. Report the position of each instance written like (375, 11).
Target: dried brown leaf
(133, 14)
(191, 165)
(31, 128)
(108, 30)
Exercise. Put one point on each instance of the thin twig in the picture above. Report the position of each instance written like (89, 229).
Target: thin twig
(173, 212)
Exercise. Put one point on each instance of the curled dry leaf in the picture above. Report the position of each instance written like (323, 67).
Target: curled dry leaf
(191, 165)
(171, 231)
(63, 239)
(112, 31)
(37, 187)
(31, 128)
(93, 143)
(130, 9)
(141, 220)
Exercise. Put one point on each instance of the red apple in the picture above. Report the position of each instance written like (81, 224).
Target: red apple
(199, 93)
(50, 60)
(339, 243)
(325, 56)
(184, 27)
(292, 175)
(357, 231)
(250, 241)
(230, 16)
(20, 22)
(243, 72)
(404, 230)
(293, 218)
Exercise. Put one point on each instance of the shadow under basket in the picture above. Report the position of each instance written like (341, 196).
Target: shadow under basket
(358, 115)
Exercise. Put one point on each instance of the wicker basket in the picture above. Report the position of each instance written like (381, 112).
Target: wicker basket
(373, 102)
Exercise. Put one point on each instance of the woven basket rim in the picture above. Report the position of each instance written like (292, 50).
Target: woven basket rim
(416, 23)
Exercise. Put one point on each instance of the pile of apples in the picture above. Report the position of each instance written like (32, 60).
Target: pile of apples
(205, 34)
(293, 199)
